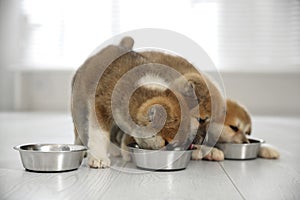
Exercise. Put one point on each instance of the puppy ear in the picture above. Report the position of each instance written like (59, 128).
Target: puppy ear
(249, 131)
(191, 84)
(189, 89)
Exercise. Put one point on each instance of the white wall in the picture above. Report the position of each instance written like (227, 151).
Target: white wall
(6, 90)
(44, 90)
(265, 93)
(261, 93)
(9, 49)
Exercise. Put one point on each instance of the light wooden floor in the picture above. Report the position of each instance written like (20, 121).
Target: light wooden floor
(253, 179)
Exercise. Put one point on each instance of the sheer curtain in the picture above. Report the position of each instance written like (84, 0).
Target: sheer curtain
(62, 33)
(238, 35)
(259, 35)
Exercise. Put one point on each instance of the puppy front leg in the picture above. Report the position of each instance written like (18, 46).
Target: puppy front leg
(126, 140)
(268, 152)
(207, 153)
(98, 144)
(197, 153)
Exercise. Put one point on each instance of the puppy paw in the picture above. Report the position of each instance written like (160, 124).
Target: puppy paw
(268, 152)
(215, 155)
(98, 163)
(197, 154)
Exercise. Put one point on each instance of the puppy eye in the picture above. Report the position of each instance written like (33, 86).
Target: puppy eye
(201, 121)
(234, 128)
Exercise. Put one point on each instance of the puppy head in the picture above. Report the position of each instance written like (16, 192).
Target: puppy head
(237, 124)
(206, 103)
(151, 114)
(192, 87)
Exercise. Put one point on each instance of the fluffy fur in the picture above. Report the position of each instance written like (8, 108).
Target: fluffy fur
(237, 124)
(143, 109)
(192, 87)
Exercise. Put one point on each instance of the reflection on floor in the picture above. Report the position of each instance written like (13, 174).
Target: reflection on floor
(252, 179)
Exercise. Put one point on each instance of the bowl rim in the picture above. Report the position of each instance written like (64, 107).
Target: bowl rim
(130, 146)
(19, 148)
(259, 141)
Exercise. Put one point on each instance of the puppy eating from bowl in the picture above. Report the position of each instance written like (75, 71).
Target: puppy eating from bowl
(184, 103)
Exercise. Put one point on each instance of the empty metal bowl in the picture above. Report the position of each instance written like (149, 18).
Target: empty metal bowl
(51, 157)
(161, 160)
(241, 151)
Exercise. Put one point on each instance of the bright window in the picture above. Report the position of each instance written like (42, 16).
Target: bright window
(238, 35)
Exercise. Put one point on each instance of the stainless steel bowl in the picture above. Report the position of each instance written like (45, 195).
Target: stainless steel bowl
(241, 151)
(51, 157)
(161, 160)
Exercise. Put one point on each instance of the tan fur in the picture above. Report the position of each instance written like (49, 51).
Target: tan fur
(268, 152)
(83, 109)
(207, 153)
(198, 90)
(141, 101)
(205, 90)
(237, 124)
(193, 87)
(176, 62)
(210, 104)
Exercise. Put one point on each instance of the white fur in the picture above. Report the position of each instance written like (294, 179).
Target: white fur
(269, 152)
(153, 81)
(98, 143)
(207, 153)
(98, 147)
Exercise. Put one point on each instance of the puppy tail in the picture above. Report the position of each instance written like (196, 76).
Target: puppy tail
(127, 42)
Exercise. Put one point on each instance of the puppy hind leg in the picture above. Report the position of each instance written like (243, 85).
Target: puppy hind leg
(77, 140)
(98, 144)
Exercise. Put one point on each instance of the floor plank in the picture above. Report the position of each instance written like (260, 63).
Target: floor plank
(253, 179)
(201, 180)
(21, 128)
(271, 179)
(84, 183)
